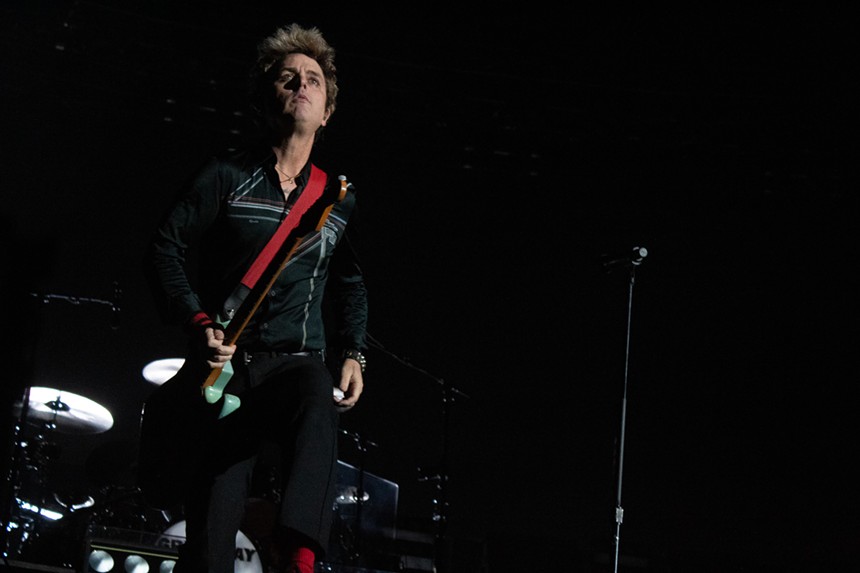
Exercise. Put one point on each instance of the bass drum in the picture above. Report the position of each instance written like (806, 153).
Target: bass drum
(247, 554)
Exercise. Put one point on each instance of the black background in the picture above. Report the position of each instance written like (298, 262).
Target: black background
(498, 153)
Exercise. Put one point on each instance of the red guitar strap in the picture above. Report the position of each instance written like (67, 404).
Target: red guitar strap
(312, 192)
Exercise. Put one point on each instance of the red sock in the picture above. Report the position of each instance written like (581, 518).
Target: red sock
(302, 559)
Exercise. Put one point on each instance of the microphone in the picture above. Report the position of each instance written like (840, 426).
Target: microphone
(114, 307)
(631, 258)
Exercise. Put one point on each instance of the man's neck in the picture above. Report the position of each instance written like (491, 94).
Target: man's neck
(293, 153)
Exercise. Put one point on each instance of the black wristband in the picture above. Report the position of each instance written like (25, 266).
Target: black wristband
(357, 356)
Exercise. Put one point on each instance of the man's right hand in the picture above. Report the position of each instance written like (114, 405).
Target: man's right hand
(217, 353)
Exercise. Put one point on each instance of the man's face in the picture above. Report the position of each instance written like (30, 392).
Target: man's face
(301, 90)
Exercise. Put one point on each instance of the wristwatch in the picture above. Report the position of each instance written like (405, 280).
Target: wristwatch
(357, 356)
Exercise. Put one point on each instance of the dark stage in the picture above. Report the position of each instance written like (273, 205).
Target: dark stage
(500, 157)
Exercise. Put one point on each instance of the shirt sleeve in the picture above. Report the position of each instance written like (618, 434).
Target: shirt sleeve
(348, 293)
(180, 231)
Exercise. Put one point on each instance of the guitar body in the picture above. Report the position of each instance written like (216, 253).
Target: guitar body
(173, 434)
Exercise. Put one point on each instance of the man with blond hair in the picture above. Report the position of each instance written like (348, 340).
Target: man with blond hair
(293, 378)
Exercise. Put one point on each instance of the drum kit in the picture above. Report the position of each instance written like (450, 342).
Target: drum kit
(31, 506)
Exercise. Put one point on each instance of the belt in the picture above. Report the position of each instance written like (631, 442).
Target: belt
(249, 355)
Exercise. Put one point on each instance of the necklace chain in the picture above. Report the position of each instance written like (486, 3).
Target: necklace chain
(289, 178)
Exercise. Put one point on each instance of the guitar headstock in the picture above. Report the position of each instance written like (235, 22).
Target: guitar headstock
(344, 187)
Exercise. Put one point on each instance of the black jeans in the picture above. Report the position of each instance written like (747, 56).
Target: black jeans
(286, 401)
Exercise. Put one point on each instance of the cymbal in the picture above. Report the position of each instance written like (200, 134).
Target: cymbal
(69, 413)
(160, 371)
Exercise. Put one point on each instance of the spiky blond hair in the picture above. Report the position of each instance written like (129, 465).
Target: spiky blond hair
(292, 39)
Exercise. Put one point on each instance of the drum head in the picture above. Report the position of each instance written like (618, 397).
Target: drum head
(247, 555)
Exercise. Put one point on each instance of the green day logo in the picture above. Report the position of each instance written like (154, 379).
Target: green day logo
(247, 555)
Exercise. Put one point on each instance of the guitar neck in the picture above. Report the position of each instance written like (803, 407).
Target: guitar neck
(257, 295)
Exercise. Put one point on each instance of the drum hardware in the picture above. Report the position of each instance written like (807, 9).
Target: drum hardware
(113, 303)
(39, 510)
(124, 508)
(351, 539)
(350, 495)
(74, 502)
(41, 414)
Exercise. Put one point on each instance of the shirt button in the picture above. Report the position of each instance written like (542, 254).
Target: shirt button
(273, 292)
(264, 326)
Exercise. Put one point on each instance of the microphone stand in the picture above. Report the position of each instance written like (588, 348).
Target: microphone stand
(438, 473)
(630, 262)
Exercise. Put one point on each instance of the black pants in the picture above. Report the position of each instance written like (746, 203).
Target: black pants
(286, 401)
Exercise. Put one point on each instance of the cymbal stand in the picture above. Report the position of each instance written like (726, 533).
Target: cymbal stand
(631, 262)
(12, 483)
(360, 497)
(438, 473)
(40, 461)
